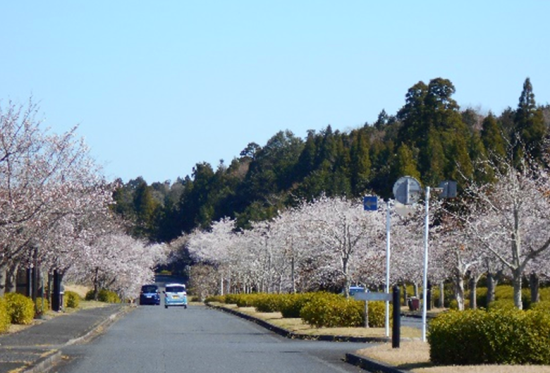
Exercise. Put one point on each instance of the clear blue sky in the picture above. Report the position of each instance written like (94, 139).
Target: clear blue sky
(158, 86)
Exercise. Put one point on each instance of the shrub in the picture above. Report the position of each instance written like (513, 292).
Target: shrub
(377, 314)
(4, 316)
(330, 310)
(216, 298)
(241, 300)
(507, 292)
(291, 304)
(108, 296)
(542, 306)
(41, 305)
(104, 295)
(20, 308)
(71, 299)
(90, 295)
(502, 305)
(499, 337)
(268, 302)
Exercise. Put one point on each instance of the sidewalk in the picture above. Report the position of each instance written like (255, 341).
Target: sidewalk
(36, 349)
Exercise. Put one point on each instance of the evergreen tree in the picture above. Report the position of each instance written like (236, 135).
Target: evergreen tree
(360, 162)
(529, 123)
(405, 164)
(145, 207)
(492, 136)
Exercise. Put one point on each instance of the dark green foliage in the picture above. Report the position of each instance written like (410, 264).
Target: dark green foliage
(20, 308)
(500, 337)
(529, 123)
(429, 138)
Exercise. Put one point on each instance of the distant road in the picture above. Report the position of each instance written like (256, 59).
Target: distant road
(199, 339)
(161, 280)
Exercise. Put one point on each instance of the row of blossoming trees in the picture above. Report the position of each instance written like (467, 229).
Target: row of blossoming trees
(55, 211)
(492, 229)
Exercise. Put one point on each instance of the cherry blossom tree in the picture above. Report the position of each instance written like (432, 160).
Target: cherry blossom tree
(342, 229)
(509, 218)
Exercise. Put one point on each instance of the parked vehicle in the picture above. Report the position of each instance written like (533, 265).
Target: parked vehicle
(149, 295)
(355, 290)
(175, 295)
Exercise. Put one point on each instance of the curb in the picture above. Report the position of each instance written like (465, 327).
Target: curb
(102, 325)
(45, 363)
(288, 334)
(371, 365)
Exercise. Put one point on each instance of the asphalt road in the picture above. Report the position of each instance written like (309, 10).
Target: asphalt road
(199, 339)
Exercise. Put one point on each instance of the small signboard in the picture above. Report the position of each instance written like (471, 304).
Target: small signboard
(373, 296)
(370, 203)
(448, 189)
(407, 190)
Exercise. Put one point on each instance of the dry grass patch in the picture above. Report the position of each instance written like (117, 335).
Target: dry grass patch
(79, 289)
(415, 356)
(296, 325)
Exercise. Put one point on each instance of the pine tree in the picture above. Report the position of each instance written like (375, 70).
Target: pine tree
(492, 136)
(529, 123)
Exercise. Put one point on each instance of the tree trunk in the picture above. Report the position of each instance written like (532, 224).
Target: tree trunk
(491, 287)
(3, 270)
(405, 295)
(441, 295)
(293, 276)
(473, 293)
(459, 292)
(347, 282)
(11, 278)
(534, 284)
(517, 280)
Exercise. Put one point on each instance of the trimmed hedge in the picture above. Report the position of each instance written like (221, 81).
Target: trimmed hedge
(104, 295)
(291, 304)
(20, 308)
(41, 305)
(4, 316)
(330, 311)
(500, 337)
(71, 299)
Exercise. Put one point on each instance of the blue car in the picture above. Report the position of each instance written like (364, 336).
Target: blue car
(175, 295)
(149, 295)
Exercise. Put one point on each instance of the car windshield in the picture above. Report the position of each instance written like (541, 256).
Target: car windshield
(149, 289)
(175, 289)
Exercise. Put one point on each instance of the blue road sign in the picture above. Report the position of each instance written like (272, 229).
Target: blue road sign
(370, 203)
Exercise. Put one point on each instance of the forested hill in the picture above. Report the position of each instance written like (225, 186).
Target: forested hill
(429, 138)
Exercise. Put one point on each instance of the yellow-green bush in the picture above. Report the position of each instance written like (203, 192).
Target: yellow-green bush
(268, 302)
(500, 337)
(501, 305)
(241, 300)
(71, 299)
(542, 306)
(41, 305)
(331, 310)
(104, 295)
(291, 304)
(108, 296)
(4, 316)
(20, 308)
(216, 298)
